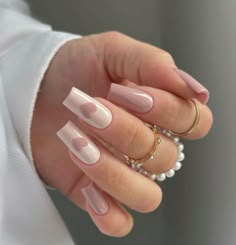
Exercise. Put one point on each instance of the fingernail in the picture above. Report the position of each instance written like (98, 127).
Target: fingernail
(88, 109)
(95, 199)
(79, 143)
(195, 85)
(130, 98)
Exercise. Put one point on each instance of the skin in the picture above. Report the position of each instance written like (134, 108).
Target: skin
(112, 57)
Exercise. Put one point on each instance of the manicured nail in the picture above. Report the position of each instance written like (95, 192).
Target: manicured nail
(95, 199)
(130, 98)
(79, 143)
(195, 85)
(88, 109)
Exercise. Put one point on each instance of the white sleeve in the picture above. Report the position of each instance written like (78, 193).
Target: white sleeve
(27, 215)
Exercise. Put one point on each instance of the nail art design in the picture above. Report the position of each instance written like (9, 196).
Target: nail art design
(88, 109)
(130, 98)
(79, 143)
(95, 199)
(195, 85)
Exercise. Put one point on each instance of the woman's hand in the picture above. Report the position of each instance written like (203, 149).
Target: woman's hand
(96, 179)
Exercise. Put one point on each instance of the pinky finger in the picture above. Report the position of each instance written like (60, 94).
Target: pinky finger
(110, 218)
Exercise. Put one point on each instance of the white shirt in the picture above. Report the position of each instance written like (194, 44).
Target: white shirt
(27, 214)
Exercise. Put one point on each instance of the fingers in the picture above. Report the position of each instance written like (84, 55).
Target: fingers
(162, 108)
(110, 218)
(67, 178)
(116, 222)
(123, 131)
(109, 173)
(126, 58)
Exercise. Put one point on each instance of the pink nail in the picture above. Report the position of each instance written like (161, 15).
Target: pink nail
(95, 199)
(130, 98)
(88, 109)
(79, 143)
(195, 85)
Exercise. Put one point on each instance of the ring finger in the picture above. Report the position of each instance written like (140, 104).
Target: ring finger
(108, 172)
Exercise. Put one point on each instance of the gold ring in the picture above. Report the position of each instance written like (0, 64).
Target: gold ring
(195, 122)
(157, 140)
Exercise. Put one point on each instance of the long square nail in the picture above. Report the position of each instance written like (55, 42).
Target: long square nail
(130, 98)
(88, 109)
(79, 143)
(195, 85)
(95, 199)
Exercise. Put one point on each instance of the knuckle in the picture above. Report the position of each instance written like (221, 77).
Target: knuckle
(115, 177)
(112, 230)
(116, 229)
(150, 204)
(133, 133)
(172, 156)
(209, 121)
(121, 225)
(166, 55)
(170, 107)
(113, 35)
(207, 124)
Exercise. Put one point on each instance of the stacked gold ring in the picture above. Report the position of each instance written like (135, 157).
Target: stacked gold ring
(137, 164)
(171, 172)
(157, 140)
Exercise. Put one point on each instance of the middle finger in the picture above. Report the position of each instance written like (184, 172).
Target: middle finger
(163, 108)
(126, 133)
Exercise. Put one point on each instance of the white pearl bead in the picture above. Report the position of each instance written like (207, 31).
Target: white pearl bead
(181, 147)
(160, 177)
(168, 134)
(170, 173)
(164, 131)
(139, 165)
(176, 140)
(177, 166)
(181, 156)
(152, 177)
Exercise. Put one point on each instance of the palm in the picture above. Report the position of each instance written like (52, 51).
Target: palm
(72, 66)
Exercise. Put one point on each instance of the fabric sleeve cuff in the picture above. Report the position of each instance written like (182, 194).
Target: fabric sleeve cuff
(23, 68)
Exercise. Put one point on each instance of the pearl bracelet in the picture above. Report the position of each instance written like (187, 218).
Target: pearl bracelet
(162, 176)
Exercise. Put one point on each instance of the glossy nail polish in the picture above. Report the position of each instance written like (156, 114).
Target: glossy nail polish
(79, 143)
(95, 199)
(130, 98)
(195, 85)
(88, 109)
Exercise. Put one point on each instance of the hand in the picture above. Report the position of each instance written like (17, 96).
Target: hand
(91, 64)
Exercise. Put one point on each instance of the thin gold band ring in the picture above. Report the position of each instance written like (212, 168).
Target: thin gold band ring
(195, 122)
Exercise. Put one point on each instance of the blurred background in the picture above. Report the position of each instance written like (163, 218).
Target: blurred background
(199, 204)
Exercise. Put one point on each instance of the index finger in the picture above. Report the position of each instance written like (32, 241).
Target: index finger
(144, 64)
